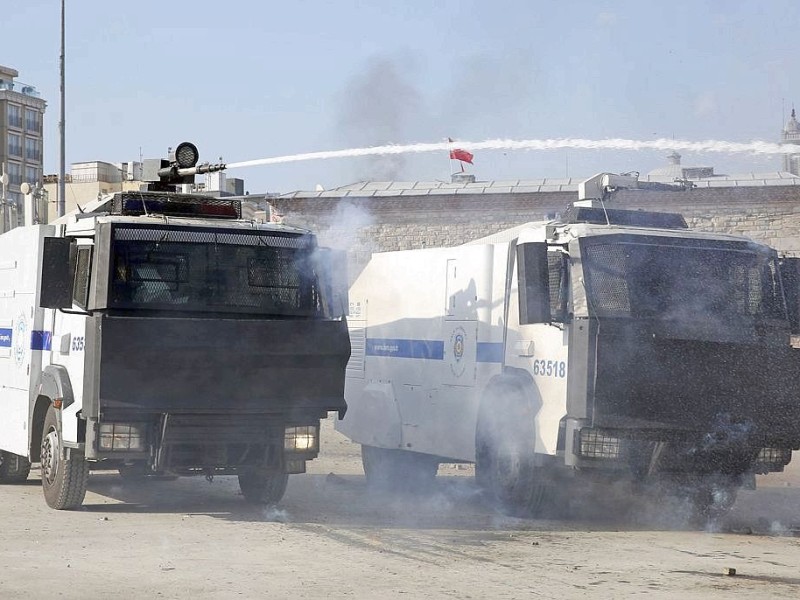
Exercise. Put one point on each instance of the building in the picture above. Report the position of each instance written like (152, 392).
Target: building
(790, 136)
(675, 171)
(86, 181)
(378, 216)
(21, 142)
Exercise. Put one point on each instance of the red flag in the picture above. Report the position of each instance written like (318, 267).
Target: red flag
(462, 155)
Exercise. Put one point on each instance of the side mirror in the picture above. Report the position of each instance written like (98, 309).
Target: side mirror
(533, 283)
(790, 277)
(58, 267)
(332, 270)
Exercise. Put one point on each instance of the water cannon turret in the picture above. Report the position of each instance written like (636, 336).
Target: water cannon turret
(180, 168)
(601, 186)
(598, 189)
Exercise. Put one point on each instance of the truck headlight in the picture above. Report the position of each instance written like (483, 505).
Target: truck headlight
(121, 436)
(778, 457)
(596, 443)
(304, 438)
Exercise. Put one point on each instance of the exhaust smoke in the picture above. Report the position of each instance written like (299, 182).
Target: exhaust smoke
(378, 106)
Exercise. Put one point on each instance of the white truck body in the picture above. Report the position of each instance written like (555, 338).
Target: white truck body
(432, 348)
(590, 340)
(160, 333)
(24, 336)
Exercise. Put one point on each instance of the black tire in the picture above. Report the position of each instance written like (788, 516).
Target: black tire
(259, 487)
(712, 499)
(13, 468)
(390, 469)
(505, 453)
(63, 480)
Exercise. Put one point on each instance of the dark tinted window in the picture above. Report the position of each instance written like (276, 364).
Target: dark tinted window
(80, 287)
(669, 280)
(213, 272)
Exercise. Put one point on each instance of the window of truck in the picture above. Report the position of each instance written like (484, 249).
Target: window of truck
(213, 271)
(680, 279)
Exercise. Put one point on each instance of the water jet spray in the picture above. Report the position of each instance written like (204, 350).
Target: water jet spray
(720, 146)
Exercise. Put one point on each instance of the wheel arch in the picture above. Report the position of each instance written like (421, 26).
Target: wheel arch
(521, 384)
(519, 380)
(373, 417)
(54, 385)
(38, 414)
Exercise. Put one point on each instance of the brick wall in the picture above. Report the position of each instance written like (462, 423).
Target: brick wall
(769, 214)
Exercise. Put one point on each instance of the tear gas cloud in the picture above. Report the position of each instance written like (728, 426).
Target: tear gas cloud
(346, 226)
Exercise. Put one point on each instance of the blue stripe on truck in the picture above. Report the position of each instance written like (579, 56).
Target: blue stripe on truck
(431, 349)
(5, 338)
(486, 352)
(490, 352)
(41, 340)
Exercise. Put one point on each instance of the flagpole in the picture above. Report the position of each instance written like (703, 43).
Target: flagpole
(450, 159)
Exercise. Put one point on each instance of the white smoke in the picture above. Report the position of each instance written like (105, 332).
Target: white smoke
(273, 514)
(346, 226)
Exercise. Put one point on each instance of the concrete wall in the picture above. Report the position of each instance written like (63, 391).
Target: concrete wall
(769, 214)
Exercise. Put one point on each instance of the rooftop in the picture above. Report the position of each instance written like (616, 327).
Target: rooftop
(379, 189)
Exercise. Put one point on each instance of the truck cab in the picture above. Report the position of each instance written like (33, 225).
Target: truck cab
(161, 334)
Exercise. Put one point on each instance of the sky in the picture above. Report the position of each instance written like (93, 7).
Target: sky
(246, 79)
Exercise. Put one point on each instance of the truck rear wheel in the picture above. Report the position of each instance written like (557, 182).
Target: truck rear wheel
(391, 469)
(259, 487)
(711, 500)
(63, 480)
(504, 454)
(13, 468)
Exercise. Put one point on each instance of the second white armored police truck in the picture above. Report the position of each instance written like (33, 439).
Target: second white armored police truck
(613, 342)
(160, 333)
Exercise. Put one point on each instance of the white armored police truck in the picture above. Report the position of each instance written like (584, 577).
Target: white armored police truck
(609, 344)
(161, 334)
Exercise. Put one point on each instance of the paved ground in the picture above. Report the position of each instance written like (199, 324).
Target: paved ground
(331, 538)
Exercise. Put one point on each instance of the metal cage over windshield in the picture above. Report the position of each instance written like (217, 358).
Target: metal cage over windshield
(207, 270)
(681, 279)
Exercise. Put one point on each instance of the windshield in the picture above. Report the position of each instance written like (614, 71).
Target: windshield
(680, 279)
(213, 271)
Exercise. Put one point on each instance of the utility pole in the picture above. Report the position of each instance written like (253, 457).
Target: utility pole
(3, 182)
(62, 167)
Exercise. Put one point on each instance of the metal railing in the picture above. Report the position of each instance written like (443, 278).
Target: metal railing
(20, 87)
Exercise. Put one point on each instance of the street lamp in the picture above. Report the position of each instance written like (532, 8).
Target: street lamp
(4, 182)
(27, 206)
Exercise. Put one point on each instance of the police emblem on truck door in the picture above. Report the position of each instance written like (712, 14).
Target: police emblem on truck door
(459, 353)
(20, 339)
(457, 364)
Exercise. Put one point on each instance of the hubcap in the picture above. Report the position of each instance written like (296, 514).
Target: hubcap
(50, 450)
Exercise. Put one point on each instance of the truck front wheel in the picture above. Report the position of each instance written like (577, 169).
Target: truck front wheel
(259, 487)
(63, 480)
(504, 453)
